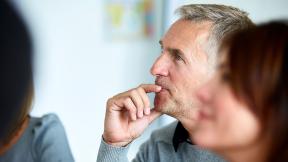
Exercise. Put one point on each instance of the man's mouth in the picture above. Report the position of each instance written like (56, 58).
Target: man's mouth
(163, 84)
(163, 90)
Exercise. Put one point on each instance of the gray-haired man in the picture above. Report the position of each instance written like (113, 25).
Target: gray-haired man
(187, 60)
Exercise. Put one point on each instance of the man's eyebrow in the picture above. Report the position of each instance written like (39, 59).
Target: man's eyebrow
(176, 50)
(179, 52)
(173, 50)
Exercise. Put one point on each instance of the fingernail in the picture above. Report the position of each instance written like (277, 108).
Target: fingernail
(147, 111)
(140, 115)
(159, 88)
(134, 118)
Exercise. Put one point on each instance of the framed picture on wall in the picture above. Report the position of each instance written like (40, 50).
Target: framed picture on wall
(129, 19)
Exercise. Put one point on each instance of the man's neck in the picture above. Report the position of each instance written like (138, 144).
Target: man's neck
(189, 125)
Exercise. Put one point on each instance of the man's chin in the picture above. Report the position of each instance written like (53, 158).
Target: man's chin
(158, 107)
(163, 105)
(163, 108)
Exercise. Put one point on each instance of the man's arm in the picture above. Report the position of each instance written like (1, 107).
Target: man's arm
(127, 115)
(109, 153)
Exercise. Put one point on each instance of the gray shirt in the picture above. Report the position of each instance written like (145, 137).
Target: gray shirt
(159, 148)
(44, 140)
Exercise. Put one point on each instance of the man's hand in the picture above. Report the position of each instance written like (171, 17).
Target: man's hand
(128, 114)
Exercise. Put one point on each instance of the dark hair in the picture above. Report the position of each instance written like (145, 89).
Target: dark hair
(15, 70)
(257, 59)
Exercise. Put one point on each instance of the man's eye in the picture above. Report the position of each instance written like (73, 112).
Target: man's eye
(177, 57)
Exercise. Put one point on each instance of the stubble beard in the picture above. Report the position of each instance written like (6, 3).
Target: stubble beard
(175, 108)
(168, 106)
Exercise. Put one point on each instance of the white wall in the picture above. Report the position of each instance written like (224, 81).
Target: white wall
(77, 69)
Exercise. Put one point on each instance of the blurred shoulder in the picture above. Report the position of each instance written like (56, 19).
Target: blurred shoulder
(49, 140)
(45, 121)
(48, 124)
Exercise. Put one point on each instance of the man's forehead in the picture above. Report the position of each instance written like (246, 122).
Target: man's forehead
(184, 30)
(188, 25)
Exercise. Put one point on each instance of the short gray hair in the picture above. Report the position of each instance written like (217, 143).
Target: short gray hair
(225, 20)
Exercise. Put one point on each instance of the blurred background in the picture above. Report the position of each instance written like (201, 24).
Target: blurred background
(87, 51)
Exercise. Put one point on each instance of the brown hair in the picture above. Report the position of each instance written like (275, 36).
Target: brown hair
(16, 72)
(257, 59)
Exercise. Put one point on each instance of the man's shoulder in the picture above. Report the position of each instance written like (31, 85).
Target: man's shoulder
(164, 134)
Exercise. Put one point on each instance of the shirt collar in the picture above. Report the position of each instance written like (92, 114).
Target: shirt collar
(180, 135)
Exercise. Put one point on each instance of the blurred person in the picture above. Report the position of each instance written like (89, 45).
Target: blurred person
(22, 137)
(244, 114)
(187, 60)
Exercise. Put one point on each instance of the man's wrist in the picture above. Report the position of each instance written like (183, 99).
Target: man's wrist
(116, 144)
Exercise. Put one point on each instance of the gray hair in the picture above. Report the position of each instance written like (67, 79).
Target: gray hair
(225, 20)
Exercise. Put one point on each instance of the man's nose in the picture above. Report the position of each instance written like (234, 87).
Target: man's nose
(160, 66)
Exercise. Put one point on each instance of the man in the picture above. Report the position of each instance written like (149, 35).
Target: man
(187, 60)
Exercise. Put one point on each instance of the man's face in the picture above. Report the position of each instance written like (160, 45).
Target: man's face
(181, 68)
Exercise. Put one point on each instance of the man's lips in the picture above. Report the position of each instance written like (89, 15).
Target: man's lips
(162, 84)
(163, 89)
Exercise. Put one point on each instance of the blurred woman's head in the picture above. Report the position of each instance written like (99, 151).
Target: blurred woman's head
(245, 106)
(15, 71)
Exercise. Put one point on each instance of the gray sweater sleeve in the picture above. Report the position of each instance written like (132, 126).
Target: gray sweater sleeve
(109, 153)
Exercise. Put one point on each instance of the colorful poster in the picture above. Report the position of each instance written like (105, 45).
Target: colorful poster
(129, 19)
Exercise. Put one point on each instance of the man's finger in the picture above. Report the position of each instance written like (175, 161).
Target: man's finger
(129, 105)
(138, 102)
(150, 88)
(145, 100)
